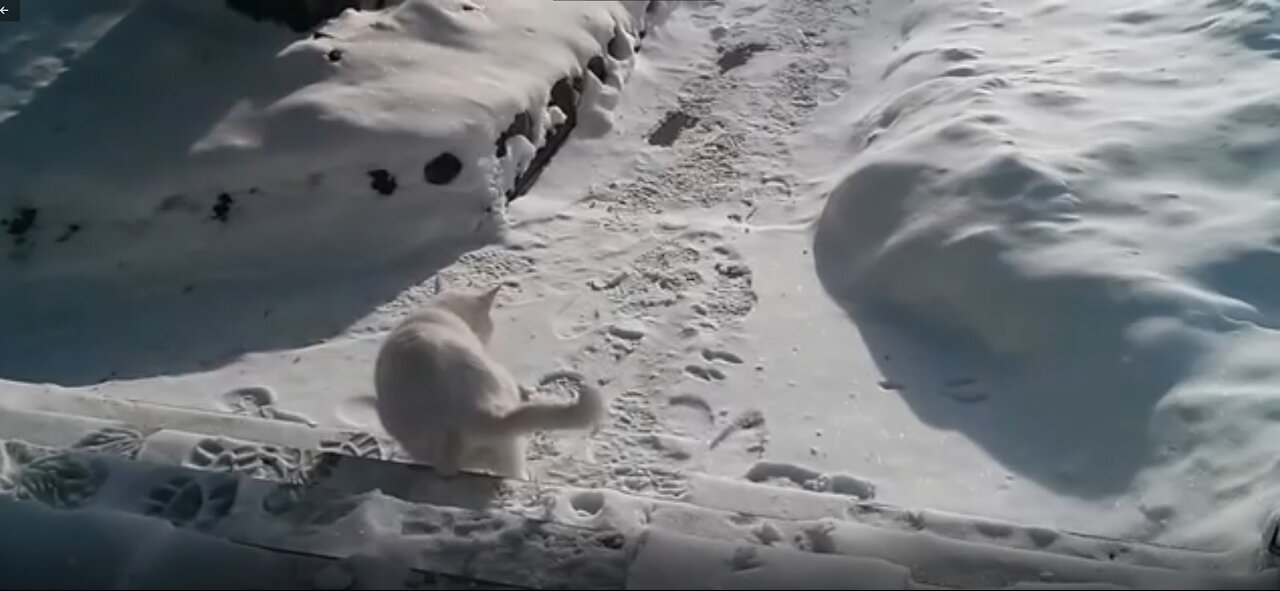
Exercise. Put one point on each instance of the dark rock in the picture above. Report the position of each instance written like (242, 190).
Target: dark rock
(382, 181)
(442, 169)
(222, 207)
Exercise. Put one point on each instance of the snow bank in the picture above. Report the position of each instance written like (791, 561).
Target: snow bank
(152, 498)
(1085, 193)
(161, 135)
(675, 561)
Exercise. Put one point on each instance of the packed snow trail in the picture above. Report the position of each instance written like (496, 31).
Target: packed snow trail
(931, 253)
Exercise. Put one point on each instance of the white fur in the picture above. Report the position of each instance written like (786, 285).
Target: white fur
(451, 405)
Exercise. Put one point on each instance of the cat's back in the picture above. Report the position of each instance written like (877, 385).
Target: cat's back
(428, 337)
(430, 363)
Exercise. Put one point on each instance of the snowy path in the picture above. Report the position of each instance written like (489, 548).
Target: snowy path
(766, 155)
(681, 275)
(672, 260)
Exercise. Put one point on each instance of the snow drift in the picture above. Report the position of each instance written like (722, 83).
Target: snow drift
(1086, 193)
(222, 185)
(165, 135)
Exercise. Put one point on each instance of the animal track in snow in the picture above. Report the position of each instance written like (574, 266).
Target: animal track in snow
(267, 462)
(587, 502)
(628, 330)
(669, 130)
(57, 479)
(670, 446)
(359, 411)
(808, 479)
(739, 55)
(963, 390)
(695, 402)
(733, 295)
(609, 282)
(260, 401)
(477, 269)
(625, 454)
(624, 337)
(357, 444)
(713, 355)
(690, 416)
(121, 441)
(564, 385)
(485, 267)
(310, 508)
(248, 399)
(706, 374)
(750, 419)
(186, 502)
(693, 265)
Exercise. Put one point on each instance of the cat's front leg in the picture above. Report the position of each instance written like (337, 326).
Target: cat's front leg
(449, 455)
(511, 459)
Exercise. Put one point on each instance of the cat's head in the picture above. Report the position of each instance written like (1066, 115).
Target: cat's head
(474, 308)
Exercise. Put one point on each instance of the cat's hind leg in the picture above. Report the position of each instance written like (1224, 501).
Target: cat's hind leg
(448, 454)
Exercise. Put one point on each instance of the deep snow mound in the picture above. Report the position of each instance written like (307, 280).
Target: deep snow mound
(183, 185)
(1087, 189)
(163, 135)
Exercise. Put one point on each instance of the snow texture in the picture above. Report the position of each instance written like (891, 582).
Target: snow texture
(254, 132)
(958, 257)
(1077, 200)
(347, 521)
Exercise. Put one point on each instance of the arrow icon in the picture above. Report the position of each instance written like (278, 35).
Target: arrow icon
(3, 10)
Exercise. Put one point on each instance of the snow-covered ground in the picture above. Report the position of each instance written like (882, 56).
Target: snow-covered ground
(1012, 259)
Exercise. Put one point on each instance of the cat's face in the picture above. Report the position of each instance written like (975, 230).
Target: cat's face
(474, 308)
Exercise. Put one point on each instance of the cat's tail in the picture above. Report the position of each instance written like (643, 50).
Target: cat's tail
(587, 412)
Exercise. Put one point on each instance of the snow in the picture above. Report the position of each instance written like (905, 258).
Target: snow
(981, 257)
(81, 550)
(265, 130)
(1092, 229)
(670, 561)
(370, 523)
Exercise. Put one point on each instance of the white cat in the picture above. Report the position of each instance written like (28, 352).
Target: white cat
(451, 405)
